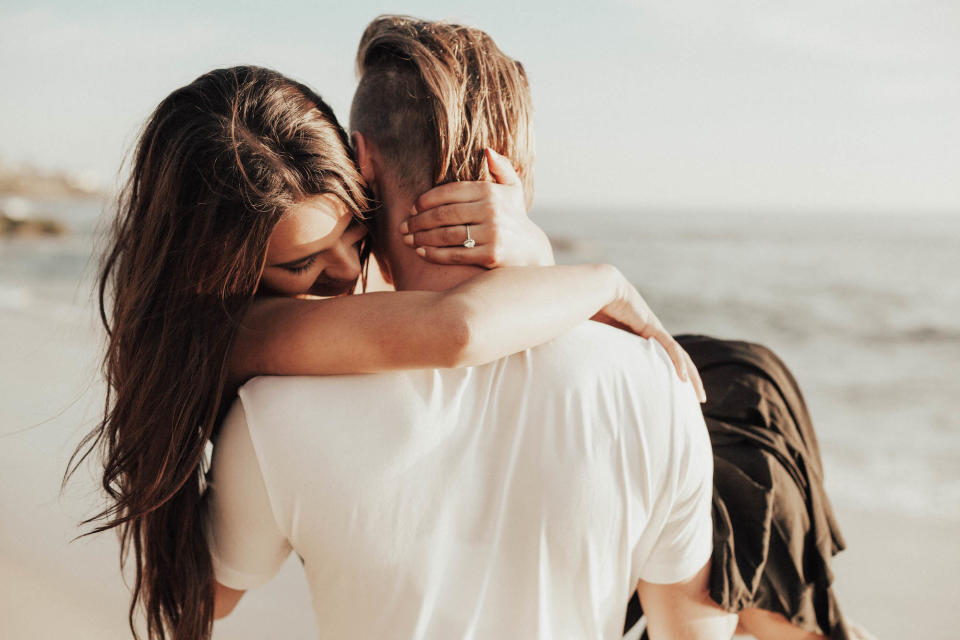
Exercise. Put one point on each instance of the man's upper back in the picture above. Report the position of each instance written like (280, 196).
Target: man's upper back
(523, 498)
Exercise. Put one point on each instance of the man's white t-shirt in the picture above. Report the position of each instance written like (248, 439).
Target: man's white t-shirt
(519, 499)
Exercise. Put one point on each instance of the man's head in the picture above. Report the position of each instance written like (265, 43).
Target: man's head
(431, 96)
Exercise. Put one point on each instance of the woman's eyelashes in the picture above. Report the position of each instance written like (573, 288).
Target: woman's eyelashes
(297, 269)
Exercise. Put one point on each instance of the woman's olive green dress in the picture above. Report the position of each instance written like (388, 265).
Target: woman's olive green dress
(774, 528)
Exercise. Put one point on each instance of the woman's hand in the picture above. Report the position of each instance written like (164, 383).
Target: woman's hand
(629, 311)
(495, 213)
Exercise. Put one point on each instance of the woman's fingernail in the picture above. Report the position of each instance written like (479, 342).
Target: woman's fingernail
(408, 239)
(404, 228)
(421, 252)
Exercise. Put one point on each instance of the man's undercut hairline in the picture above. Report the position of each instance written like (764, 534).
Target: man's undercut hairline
(433, 95)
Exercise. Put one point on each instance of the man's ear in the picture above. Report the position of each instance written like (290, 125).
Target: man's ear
(365, 150)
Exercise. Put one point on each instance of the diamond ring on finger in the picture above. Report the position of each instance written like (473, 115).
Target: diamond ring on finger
(469, 243)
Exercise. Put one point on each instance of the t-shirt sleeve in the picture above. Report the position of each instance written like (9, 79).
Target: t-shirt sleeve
(246, 544)
(685, 541)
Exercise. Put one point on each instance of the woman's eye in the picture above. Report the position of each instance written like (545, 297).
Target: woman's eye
(303, 266)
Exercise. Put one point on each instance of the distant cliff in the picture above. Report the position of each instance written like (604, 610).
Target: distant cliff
(33, 227)
(30, 182)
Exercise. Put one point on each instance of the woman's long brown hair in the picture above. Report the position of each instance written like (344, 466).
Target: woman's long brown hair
(216, 166)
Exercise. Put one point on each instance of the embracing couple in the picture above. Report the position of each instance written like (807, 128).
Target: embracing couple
(503, 468)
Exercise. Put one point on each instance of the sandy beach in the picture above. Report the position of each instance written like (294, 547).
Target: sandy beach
(898, 577)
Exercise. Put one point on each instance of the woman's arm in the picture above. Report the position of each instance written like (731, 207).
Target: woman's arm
(487, 317)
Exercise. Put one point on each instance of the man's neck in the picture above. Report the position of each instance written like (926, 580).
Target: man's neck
(409, 270)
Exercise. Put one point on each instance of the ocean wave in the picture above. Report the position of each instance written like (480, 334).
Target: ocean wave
(918, 335)
(928, 334)
(737, 314)
(904, 485)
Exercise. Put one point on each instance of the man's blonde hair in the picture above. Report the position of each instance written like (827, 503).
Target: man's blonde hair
(432, 95)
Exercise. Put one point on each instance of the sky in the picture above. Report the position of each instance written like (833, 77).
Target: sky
(826, 106)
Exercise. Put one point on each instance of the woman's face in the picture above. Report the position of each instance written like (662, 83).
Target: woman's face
(313, 249)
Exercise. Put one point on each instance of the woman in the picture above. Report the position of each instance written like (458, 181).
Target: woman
(243, 186)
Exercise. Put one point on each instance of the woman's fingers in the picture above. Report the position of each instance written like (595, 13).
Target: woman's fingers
(453, 193)
(695, 378)
(460, 192)
(642, 321)
(453, 236)
(480, 256)
(682, 362)
(448, 215)
(674, 351)
(494, 213)
(500, 168)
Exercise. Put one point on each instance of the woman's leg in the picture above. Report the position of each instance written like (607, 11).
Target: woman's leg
(767, 625)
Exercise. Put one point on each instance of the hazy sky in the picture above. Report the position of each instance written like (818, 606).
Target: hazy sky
(820, 105)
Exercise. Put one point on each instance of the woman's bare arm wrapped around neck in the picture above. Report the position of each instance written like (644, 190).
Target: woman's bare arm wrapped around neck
(489, 316)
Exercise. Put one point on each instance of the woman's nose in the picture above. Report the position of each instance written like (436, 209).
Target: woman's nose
(344, 262)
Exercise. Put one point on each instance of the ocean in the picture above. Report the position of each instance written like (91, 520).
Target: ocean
(864, 309)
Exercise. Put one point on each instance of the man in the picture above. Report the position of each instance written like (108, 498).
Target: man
(526, 498)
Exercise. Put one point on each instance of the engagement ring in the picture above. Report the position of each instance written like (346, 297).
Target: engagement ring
(469, 243)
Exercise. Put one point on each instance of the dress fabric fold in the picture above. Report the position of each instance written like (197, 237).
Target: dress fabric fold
(774, 528)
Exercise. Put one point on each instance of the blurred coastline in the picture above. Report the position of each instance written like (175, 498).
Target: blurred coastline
(864, 309)
(42, 202)
(28, 181)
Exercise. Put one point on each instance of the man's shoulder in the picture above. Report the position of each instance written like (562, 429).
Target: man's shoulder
(293, 387)
(601, 334)
(294, 400)
(592, 346)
